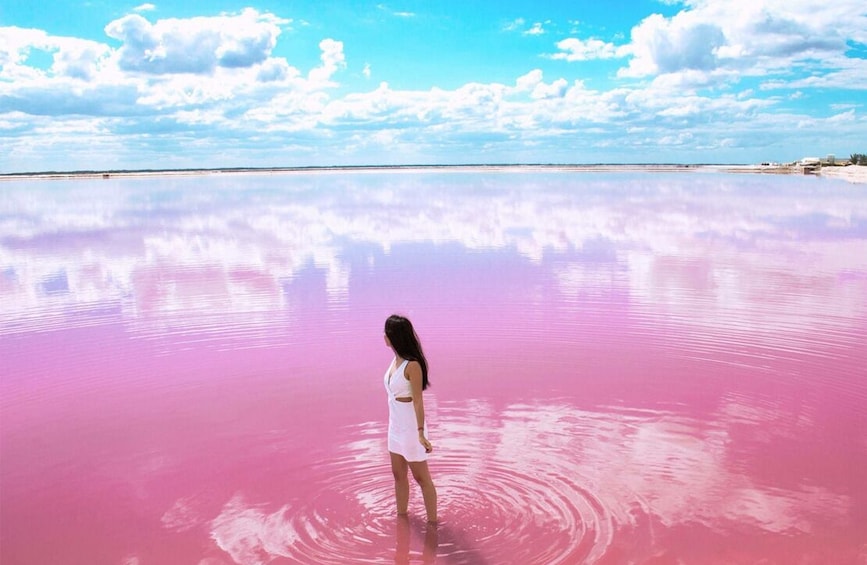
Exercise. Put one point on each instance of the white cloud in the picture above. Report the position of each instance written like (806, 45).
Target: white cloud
(749, 37)
(684, 42)
(72, 57)
(332, 60)
(144, 8)
(535, 29)
(528, 81)
(79, 58)
(195, 45)
(556, 89)
(90, 78)
(276, 70)
(848, 74)
(15, 46)
(843, 117)
(573, 49)
(752, 37)
(520, 25)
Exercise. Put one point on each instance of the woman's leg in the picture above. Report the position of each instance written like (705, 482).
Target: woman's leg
(402, 537)
(421, 474)
(401, 482)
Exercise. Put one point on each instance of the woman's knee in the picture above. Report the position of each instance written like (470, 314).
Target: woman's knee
(399, 472)
(423, 479)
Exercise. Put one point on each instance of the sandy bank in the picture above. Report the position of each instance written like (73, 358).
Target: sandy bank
(851, 173)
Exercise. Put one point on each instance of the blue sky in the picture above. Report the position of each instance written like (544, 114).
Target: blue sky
(107, 85)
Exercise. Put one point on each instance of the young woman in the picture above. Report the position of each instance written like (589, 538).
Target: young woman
(408, 445)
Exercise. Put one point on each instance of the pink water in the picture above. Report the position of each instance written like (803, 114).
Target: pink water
(626, 368)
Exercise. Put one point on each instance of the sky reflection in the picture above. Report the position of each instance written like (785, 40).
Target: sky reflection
(232, 244)
(625, 366)
(569, 485)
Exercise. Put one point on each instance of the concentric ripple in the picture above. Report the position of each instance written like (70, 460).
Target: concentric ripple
(510, 492)
(511, 483)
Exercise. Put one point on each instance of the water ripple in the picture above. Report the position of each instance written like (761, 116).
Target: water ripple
(506, 494)
(532, 483)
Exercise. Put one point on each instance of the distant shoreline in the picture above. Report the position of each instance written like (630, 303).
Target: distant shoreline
(851, 173)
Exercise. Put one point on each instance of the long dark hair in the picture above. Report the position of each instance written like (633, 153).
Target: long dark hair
(404, 340)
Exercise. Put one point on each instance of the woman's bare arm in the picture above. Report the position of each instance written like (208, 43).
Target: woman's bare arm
(413, 373)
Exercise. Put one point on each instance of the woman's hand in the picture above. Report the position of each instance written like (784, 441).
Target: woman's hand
(423, 440)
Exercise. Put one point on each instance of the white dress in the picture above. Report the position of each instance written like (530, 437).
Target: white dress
(402, 424)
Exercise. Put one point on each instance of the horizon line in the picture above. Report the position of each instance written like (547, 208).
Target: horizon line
(83, 172)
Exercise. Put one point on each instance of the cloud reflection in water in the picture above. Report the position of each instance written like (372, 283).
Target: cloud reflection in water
(229, 245)
(627, 362)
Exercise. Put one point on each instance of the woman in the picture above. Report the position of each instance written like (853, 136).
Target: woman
(408, 445)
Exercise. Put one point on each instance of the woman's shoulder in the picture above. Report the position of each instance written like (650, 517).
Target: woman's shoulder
(412, 368)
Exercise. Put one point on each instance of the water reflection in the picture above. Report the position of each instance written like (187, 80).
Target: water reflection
(405, 530)
(627, 367)
(535, 483)
(156, 247)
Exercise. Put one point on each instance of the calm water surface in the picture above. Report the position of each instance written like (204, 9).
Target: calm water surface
(626, 368)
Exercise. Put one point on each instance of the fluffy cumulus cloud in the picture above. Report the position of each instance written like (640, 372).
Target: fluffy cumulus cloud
(79, 58)
(163, 70)
(332, 60)
(195, 45)
(15, 46)
(753, 37)
(532, 83)
(72, 57)
(661, 45)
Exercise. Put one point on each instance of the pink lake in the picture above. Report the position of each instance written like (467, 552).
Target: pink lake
(626, 368)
